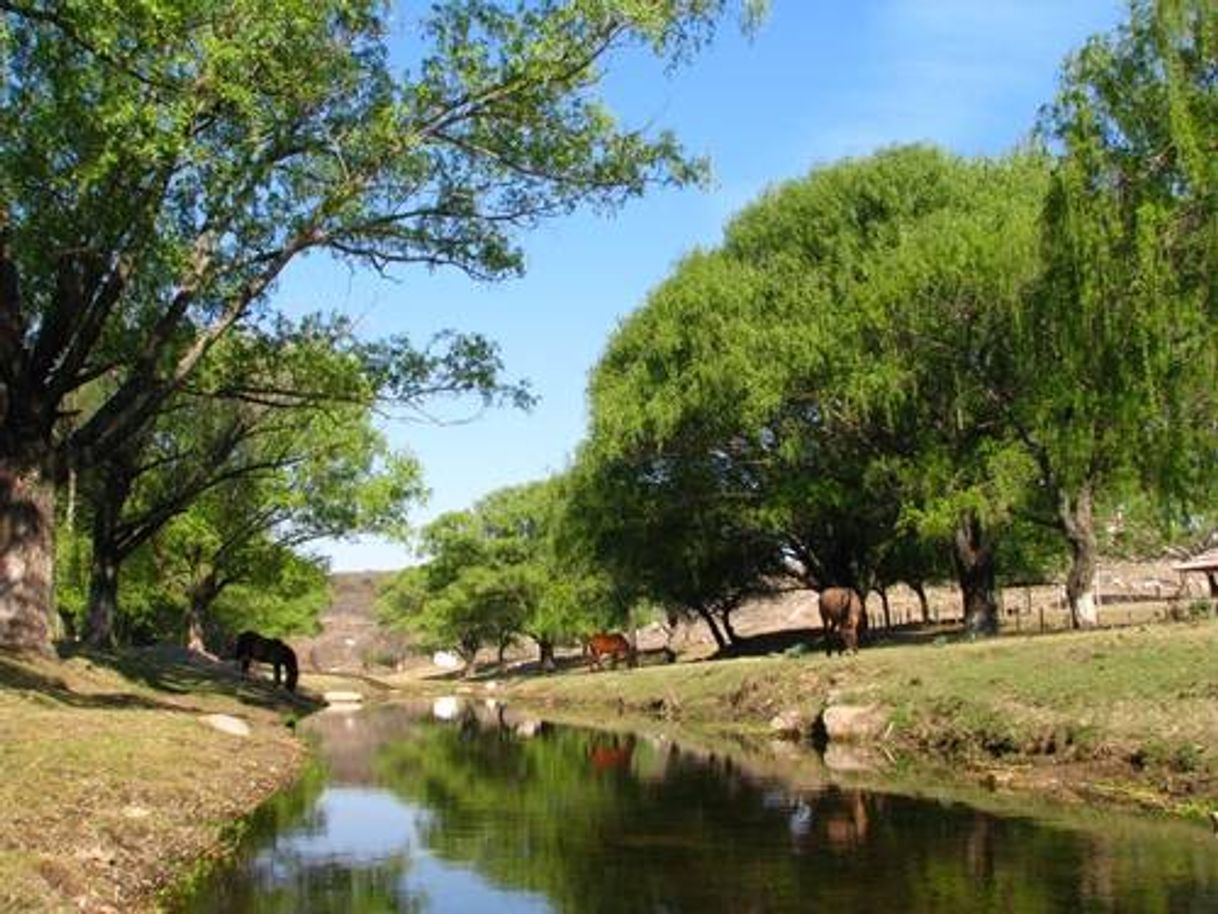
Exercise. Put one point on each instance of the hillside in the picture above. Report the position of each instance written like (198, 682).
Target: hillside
(350, 640)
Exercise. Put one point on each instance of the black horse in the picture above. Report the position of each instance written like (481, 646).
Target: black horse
(252, 646)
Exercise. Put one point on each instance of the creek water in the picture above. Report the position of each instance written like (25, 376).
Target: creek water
(471, 808)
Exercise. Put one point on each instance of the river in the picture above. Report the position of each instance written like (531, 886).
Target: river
(469, 808)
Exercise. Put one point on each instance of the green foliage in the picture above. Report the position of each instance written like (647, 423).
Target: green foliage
(163, 165)
(284, 598)
(1131, 235)
(818, 397)
(506, 567)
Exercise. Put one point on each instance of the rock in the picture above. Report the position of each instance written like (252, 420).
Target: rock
(790, 724)
(853, 723)
(844, 757)
(529, 728)
(342, 698)
(226, 723)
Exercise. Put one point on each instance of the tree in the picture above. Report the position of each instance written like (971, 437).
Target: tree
(460, 598)
(293, 406)
(162, 168)
(821, 383)
(936, 312)
(1120, 347)
(497, 571)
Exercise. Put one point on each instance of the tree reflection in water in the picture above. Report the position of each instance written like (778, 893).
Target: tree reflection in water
(495, 813)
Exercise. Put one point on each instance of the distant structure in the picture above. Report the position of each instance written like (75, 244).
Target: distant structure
(1206, 563)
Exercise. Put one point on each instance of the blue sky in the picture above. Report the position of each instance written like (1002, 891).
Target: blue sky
(819, 81)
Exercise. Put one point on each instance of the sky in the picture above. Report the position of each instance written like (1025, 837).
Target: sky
(820, 80)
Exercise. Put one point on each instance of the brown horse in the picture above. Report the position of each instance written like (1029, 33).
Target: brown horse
(252, 646)
(842, 614)
(613, 644)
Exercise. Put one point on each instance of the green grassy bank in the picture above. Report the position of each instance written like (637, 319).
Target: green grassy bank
(114, 788)
(1128, 715)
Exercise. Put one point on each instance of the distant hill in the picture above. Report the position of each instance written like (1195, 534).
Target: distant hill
(351, 640)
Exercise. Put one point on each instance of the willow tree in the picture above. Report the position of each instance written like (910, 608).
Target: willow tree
(818, 381)
(1120, 348)
(162, 166)
(937, 310)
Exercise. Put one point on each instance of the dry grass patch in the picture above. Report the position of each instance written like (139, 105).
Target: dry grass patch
(113, 788)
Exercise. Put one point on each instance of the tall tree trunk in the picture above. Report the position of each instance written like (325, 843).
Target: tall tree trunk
(725, 618)
(974, 559)
(115, 485)
(1078, 523)
(468, 651)
(545, 648)
(103, 598)
(709, 619)
(883, 592)
(202, 594)
(920, 589)
(27, 556)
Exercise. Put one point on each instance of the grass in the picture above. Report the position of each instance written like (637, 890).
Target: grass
(113, 788)
(1126, 714)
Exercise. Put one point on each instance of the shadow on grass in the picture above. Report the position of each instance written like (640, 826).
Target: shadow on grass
(173, 671)
(812, 640)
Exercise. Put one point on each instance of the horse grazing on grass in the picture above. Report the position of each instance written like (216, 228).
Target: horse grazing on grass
(252, 646)
(612, 644)
(843, 618)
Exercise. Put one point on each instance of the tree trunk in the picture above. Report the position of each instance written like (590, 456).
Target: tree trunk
(974, 559)
(546, 649)
(709, 619)
(202, 595)
(883, 592)
(920, 589)
(468, 651)
(103, 598)
(27, 557)
(728, 632)
(1078, 523)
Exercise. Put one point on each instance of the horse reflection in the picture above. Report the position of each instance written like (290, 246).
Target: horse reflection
(846, 822)
(611, 753)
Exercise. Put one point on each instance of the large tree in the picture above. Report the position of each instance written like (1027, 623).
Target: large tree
(827, 368)
(265, 420)
(1120, 349)
(163, 165)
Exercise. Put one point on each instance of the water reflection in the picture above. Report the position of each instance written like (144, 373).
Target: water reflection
(471, 807)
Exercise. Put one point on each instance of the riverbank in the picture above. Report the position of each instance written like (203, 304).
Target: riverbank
(1126, 716)
(119, 779)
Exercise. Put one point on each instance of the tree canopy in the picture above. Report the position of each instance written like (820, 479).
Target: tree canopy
(163, 165)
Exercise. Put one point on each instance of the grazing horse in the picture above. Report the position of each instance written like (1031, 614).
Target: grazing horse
(841, 613)
(252, 646)
(612, 643)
